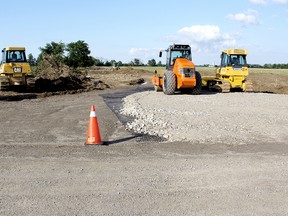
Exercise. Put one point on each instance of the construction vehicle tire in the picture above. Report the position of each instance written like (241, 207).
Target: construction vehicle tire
(198, 88)
(169, 83)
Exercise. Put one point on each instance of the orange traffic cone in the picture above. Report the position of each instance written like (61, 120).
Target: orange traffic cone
(93, 135)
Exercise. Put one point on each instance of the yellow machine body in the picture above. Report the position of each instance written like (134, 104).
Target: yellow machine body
(14, 68)
(232, 72)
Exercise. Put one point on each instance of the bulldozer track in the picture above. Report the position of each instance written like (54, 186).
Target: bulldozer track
(248, 86)
(219, 85)
(225, 86)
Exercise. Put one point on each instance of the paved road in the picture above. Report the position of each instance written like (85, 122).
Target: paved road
(45, 168)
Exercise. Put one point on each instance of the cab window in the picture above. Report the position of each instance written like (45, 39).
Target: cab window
(15, 56)
(224, 61)
(238, 60)
(180, 54)
(3, 56)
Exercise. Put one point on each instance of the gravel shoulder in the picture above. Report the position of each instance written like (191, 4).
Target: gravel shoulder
(234, 119)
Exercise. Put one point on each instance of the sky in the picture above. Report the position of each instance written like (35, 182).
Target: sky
(122, 30)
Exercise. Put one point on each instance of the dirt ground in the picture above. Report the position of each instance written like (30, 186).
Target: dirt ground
(270, 83)
(262, 82)
(45, 168)
(99, 78)
(275, 83)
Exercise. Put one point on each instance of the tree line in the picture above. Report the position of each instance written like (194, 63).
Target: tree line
(134, 62)
(272, 66)
(265, 66)
(77, 54)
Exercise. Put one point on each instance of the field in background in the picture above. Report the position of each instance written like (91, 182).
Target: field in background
(212, 70)
(264, 80)
(269, 71)
(251, 70)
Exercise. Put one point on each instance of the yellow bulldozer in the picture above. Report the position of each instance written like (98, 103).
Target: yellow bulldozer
(180, 73)
(231, 74)
(15, 71)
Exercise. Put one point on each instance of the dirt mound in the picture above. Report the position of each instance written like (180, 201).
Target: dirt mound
(52, 76)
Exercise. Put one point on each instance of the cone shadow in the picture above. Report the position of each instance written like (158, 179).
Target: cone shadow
(112, 142)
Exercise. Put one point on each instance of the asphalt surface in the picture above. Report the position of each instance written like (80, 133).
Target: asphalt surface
(47, 170)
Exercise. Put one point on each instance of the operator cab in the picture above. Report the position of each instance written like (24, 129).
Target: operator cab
(236, 60)
(176, 51)
(13, 55)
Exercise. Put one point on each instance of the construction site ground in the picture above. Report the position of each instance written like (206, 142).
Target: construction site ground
(46, 169)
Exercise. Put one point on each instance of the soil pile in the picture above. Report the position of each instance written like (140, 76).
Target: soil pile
(52, 76)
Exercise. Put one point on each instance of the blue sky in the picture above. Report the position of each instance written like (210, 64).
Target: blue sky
(128, 29)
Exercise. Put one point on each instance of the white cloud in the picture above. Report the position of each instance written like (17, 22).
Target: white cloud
(203, 37)
(144, 52)
(281, 1)
(263, 2)
(250, 17)
(200, 33)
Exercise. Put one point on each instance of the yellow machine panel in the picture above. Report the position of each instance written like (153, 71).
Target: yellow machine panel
(14, 69)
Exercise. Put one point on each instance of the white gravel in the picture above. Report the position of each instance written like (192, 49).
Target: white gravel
(233, 118)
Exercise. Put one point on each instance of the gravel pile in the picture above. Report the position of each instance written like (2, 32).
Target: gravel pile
(233, 118)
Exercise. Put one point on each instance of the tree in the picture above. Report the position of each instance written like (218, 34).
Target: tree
(159, 64)
(31, 60)
(131, 63)
(99, 62)
(107, 64)
(113, 62)
(78, 55)
(56, 50)
(152, 62)
(136, 62)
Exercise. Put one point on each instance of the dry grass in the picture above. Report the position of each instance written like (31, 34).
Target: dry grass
(211, 70)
